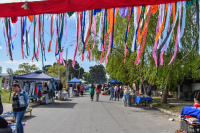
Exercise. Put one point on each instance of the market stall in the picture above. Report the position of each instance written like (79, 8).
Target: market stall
(143, 99)
(190, 117)
(74, 81)
(32, 83)
(85, 83)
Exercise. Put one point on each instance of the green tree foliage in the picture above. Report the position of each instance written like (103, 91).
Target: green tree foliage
(73, 72)
(9, 71)
(98, 74)
(47, 67)
(87, 77)
(26, 68)
(165, 76)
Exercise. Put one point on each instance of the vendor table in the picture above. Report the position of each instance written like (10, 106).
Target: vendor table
(10, 114)
(192, 111)
(141, 100)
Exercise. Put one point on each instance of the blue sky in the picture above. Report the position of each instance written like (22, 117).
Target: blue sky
(5, 61)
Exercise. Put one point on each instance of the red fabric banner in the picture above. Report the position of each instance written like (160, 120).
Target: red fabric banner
(62, 6)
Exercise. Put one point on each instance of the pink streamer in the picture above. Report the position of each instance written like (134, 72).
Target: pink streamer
(108, 49)
(38, 50)
(76, 47)
(15, 32)
(161, 55)
(155, 45)
(4, 33)
(178, 35)
(90, 57)
(61, 58)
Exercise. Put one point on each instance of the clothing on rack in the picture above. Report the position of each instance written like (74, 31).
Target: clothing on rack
(21, 84)
(38, 90)
(50, 86)
(26, 87)
(32, 89)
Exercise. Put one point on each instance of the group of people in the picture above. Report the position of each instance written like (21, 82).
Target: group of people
(94, 89)
(80, 90)
(117, 91)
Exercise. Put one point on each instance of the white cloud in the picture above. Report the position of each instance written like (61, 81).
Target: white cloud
(17, 62)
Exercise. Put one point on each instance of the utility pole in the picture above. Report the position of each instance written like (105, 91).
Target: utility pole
(59, 67)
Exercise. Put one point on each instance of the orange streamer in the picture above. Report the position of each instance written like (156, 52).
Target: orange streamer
(161, 28)
(30, 17)
(49, 49)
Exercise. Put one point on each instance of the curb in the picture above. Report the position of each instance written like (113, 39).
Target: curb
(165, 111)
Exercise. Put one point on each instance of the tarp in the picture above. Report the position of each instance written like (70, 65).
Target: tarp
(114, 82)
(36, 76)
(74, 80)
(83, 81)
(15, 9)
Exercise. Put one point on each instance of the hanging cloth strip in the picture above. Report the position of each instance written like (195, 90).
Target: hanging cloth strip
(178, 35)
(76, 47)
(160, 31)
(123, 11)
(134, 47)
(94, 36)
(183, 22)
(100, 31)
(49, 49)
(88, 34)
(22, 37)
(4, 34)
(199, 26)
(166, 29)
(170, 33)
(34, 39)
(127, 30)
(144, 37)
(38, 49)
(155, 45)
(113, 30)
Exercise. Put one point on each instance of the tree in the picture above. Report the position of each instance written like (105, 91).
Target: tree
(87, 77)
(164, 76)
(9, 71)
(98, 74)
(47, 67)
(73, 72)
(26, 68)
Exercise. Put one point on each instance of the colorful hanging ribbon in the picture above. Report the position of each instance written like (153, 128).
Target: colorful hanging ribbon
(144, 37)
(178, 35)
(49, 49)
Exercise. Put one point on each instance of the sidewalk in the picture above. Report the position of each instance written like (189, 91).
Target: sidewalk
(8, 107)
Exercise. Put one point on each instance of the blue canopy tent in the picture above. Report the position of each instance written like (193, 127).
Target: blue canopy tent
(74, 80)
(113, 81)
(36, 76)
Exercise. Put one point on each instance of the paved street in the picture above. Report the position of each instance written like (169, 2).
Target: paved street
(80, 115)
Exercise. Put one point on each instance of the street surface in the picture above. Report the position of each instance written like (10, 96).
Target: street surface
(80, 115)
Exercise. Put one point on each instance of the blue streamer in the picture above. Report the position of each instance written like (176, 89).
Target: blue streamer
(127, 31)
(167, 22)
(183, 22)
(138, 27)
(113, 29)
(168, 40)
(104, 27)
(96, 11)
(10, 35)
(83, 29)
(23, 29)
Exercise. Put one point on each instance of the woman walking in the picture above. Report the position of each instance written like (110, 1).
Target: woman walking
(19, 104)
(126, 96)
(92, 88)
(98, 90)
(82, 89)
(117, 93)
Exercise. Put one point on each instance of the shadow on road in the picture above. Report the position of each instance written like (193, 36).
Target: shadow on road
(59, 105)
(28, 118)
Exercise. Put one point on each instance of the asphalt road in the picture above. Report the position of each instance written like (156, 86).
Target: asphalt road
(80, 115)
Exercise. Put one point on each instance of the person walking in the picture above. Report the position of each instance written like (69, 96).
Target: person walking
(112, 92)
(149, 87)
(126, 96)
(78, 89)
(117, 93)
(98, 90)
(82, 89)
(92, 88)
(71, 89)
(19, 104)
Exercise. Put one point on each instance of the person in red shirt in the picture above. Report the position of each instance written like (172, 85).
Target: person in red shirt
(98, 91)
